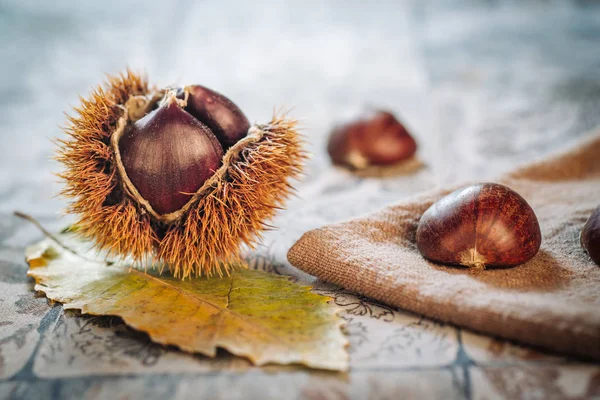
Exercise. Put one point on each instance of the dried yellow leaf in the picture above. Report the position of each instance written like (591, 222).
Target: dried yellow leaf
(254, 314)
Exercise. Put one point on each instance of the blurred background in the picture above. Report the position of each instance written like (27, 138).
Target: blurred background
(483, 86)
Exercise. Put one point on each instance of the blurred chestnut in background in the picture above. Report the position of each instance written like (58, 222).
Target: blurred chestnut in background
(375, 139)
(486, 224)
(590, 236)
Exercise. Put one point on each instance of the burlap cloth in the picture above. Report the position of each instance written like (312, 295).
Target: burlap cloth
(552, 301)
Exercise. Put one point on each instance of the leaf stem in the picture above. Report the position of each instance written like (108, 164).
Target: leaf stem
(53, 237)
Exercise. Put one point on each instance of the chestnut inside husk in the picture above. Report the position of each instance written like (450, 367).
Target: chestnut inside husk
(486, 224)
(167, 155)
(590, 236)
(227, 122)
(175, 177)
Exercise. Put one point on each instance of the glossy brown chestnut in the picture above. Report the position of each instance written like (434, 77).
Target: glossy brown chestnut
(590, 236)
(486, 224)
(221, 115)
(375, 139)
(167, 156)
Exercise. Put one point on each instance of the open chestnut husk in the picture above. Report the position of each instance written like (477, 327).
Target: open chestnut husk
(590, 236)
(482, 225)
(376, 138)
(175, 177)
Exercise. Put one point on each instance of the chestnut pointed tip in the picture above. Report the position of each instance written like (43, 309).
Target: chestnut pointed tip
(471, 258)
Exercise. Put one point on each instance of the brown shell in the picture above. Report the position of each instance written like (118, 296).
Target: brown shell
(480, 225)
(590, 236)
(165, 157)
(227, 212)
(376, 138)
(221, 115)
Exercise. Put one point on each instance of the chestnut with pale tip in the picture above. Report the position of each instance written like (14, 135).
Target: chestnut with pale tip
(590, 236)
(376, 138)
(486, 224)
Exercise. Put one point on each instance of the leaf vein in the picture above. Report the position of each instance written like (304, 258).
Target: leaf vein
(221, 310)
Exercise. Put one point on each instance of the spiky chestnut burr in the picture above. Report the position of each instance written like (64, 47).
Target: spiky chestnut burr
(149, 177)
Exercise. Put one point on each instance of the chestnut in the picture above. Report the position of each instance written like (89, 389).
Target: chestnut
(167, 155)
(481, 225)
(376, 138)
(221, 115)
(590, 236)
